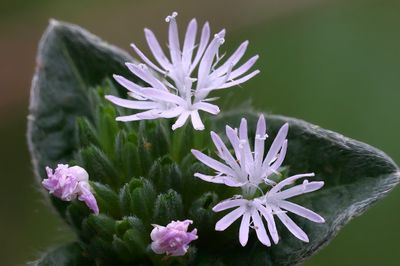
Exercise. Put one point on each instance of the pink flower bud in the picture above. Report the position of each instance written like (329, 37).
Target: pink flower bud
(69, 183)
(174, 239)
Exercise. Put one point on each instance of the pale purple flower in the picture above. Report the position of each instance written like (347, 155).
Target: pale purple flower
(173, 239)
(273, 203)
(69, 183)
(250, 211)
(245, 168)
(178, 91)
(276, 202)
(249, 169)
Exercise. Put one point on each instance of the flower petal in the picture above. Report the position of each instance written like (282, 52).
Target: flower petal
(155, 48)
(276, 145)
(232, 60)
(146, 59)
(173, 112)
(260, 229)
(181, 120)
(266, 212)
(208, 59)
(173, 39)
(301, 211)
(244, 229)
(212, 163)
(229, 203)
(163, 96)
(304, 188)
(234, 140)
(207, 107)
(287, 181)
(229, 219)
(143, 73)
(290, 225)
(259, 142)
(139, 105)
(129, 85)
(188, 45)
(147, 115)
(247, 160)
(220, 179)
(224, 153)
(205, 37)
(240, 80)
(243, 68)
(196, 121)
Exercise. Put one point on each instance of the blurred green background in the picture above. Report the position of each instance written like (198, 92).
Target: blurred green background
(334, 63)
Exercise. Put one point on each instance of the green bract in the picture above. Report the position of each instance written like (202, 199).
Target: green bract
(142, 172)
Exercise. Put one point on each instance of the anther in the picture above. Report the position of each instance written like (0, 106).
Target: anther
(171, 17)
(220, 39)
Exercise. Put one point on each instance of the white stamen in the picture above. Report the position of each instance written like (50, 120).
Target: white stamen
(221, 40)
(304, 186)
(259, 137)
(171, 17)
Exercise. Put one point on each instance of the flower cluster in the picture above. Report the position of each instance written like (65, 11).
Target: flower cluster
(177, 91)
(174, 239)
(69, 183)
(248, 171)
(173, 89)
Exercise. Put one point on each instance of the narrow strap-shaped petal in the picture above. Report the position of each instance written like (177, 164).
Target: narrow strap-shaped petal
(301, 211)
(181, 120)
(212, 163)
(244, 229)
(163, 96)
(276, 145)
(139, 105)
(220, 179)
(217, 179)
(143, 73)
(155, 48)
(229, 203)
(259, 142)
(300, 189)
(151, 114)
(173, 112)
(224, 153)
(232, 60)
(146, 59)
(243, 68)
(196, 120)
(207, 107)
(127, 84)
(240, 80)
(266, 212)
(287, 181)
(290, 224)
(188, 45)
(213, 84)
(208, 59)
(247, 159)
(277, 163)
(229, 219)
(260, 228)
(173, 38)
(205, 37)
(281, 156)
(234, 140)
